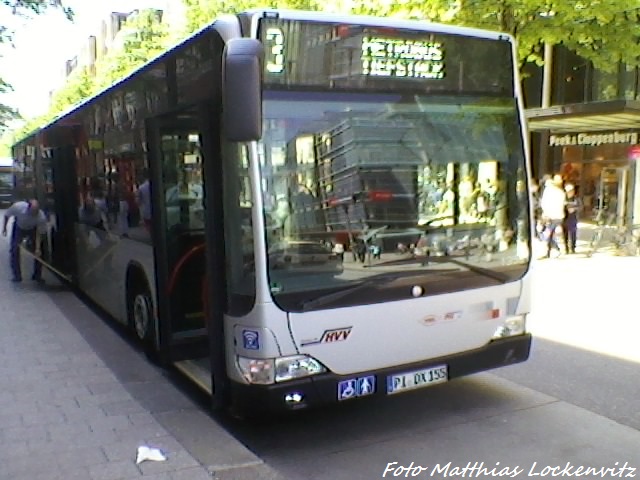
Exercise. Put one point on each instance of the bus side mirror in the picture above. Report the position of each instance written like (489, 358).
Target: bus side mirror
(242, 90)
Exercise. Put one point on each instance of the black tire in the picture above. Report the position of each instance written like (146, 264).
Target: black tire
(141, 317)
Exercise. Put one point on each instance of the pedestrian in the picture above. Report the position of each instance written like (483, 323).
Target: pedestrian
(552, 204)
(96, 236)
(143, 198)
(573, 206)
(122, 215)
(361, 250)
(93, 212)
(30, 223)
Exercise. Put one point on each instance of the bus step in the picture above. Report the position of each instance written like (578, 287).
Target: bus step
(197, 371)
(189, 334)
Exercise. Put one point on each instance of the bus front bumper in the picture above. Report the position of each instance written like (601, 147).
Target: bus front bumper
(328, 388)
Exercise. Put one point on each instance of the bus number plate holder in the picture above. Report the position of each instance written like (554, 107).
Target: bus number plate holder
(417, 379)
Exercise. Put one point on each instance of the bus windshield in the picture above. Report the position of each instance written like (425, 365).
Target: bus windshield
(371, 197)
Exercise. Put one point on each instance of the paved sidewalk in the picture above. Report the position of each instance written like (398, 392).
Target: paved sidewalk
(76, 400)
(586, 232)
(588, 302)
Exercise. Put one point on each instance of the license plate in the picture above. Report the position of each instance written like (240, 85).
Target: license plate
(416, 379)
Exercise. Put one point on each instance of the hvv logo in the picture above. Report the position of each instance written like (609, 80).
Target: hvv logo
(330, 336)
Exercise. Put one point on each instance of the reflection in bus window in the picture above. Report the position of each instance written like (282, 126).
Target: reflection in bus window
(184, 193)
(385, 174)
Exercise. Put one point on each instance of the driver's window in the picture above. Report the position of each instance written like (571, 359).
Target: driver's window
(182, 172)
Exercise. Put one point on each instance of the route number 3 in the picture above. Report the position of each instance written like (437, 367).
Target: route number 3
(275, 50)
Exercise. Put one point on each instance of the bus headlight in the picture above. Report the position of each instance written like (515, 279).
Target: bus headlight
(512, 326)
(267, 371)
(297, 366)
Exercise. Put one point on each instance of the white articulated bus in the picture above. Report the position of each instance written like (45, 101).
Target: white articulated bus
(303, 208)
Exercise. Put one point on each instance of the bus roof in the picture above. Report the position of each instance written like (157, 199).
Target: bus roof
(391, 22)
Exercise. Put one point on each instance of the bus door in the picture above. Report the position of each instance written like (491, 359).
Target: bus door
(178, 223)
(61, 202)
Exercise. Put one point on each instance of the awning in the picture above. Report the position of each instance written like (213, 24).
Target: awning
(585, 117)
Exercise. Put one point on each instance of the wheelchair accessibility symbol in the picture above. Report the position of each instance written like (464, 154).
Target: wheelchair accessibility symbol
(356, 387)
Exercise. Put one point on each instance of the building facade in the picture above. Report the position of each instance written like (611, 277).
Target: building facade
(590, 133)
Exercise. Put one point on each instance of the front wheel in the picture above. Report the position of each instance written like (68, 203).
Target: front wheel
(141, 318)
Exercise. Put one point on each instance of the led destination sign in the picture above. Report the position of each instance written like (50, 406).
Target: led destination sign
(344, 56)
(390, 57)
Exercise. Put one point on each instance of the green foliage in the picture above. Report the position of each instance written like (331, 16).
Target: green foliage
(409, 9)
(21, 8)
(31, 125)
(143, 38)
(199, 13)
(79, 85)
(202, 12)
(6, 141)
(24, 7)
(6, 112)
(603, 31)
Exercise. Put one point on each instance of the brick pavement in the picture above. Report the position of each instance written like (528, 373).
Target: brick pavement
(76, 400)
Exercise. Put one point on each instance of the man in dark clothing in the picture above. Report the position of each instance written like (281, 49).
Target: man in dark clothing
(570, 225)
(29, 223)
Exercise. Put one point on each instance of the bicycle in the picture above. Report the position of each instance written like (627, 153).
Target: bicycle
(604, 221)
(627, 241)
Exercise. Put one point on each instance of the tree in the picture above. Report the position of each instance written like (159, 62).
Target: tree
(6, 112)
(201, 12)
(143, 37)
(605, 32)
(23, 8)
(6, 140)
(79, 86)
(602, 31)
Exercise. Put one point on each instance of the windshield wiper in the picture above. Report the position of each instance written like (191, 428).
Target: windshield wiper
(322, 300)
(385, 278)
(334, 296)
(486, 272)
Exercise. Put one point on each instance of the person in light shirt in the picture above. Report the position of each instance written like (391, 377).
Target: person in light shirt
(29, 223)
(552, 204)
(143, 198)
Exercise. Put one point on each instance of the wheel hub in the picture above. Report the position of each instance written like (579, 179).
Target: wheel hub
(141, 316)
